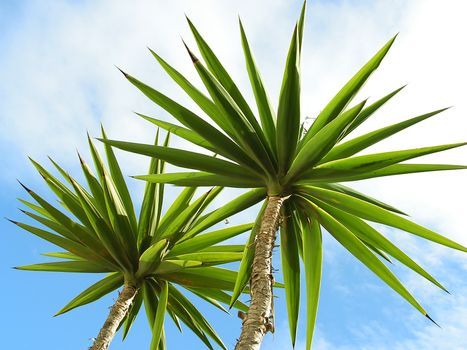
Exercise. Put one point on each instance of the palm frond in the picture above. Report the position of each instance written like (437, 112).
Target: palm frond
(101, 233)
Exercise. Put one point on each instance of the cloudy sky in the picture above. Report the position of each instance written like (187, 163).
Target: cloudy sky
(58, 80)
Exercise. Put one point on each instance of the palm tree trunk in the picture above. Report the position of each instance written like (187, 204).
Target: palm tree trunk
(116, 315)
(259, 319)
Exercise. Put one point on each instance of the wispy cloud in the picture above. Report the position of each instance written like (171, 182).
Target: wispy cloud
(450, 311)
(58, 71)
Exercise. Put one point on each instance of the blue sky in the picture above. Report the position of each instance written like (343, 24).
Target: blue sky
(59, 81)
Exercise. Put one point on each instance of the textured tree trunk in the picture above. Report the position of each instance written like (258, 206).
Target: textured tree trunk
(259, 319)
(116, 315)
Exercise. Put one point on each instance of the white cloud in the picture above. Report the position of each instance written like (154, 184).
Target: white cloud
(59, 78)
(450, 311)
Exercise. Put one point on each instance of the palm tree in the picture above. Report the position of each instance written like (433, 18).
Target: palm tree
(148, 255)
(300, 171)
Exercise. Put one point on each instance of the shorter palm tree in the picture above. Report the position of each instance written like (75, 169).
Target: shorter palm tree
(151, 256)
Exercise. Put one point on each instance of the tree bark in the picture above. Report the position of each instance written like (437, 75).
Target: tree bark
(259, 319)
(116, 315)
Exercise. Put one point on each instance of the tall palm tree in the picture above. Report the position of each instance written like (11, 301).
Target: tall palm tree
(300, 171)
(148, 255)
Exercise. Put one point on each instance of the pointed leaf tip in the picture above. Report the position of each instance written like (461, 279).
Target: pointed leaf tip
(26, 188)
(73, 181)
(154, 53)
(124, 74)
(12, 221)
(190, 23)
(194, 59)
(81, 160)
(428, 316)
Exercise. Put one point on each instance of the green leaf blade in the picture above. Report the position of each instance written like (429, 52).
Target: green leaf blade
(288, 113)
(368, 234)
(374, 213)
(66, 266)
(94, 292)
(358, 144)
(197, 96)
(120, 184)
(208, 239)
(290, 270)
(227, 83)
(185, 159)
(312, 261)
(197, 317)
(251, 140)
(360, 165)
(265, 108)
(317, 147)
(233, 207)
(159, 316)
(223, 143)
(151, 257)
(369, 111)
(201, 179)
(359, 250)
(345, 95)
(351, 192)
(182, 132)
